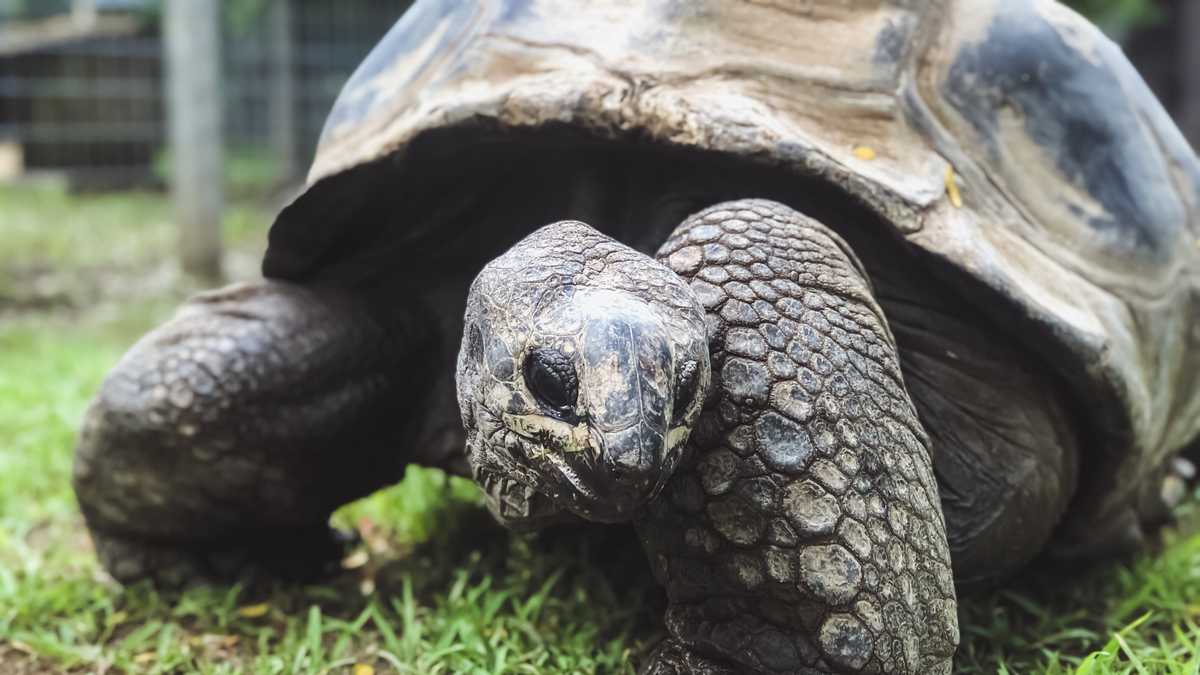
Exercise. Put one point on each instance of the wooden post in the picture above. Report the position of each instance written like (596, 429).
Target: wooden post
(281, 101)
(1189, 69)
(191, 39)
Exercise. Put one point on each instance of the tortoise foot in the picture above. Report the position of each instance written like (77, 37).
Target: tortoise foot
(296, 556)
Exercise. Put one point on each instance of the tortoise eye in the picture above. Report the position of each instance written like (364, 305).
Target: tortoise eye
(550, 376)
(686, 383)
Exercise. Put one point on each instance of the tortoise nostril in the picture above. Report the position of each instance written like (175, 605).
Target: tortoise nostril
(626, 485)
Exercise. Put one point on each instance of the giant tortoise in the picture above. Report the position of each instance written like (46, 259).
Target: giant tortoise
(931, 312)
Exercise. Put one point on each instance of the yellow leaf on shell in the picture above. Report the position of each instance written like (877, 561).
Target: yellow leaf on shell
(952, 188)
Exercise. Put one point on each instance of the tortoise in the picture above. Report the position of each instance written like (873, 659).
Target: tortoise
(840, 256)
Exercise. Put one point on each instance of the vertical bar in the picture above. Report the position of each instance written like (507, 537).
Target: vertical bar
(281, 101)
(191, 38)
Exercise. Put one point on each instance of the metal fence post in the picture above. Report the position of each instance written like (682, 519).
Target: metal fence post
(191, 31)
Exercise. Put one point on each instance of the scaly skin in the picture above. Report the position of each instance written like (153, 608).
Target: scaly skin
(218, 445)
(576, 300)
(801, 530)
(805, 532)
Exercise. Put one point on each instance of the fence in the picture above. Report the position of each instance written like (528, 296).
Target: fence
(83, 94)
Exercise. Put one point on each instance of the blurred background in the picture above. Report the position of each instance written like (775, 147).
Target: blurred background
(107, 98)
(84, 84)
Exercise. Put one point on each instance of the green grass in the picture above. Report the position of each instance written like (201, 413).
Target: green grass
(45, 226)
(438, 588)
(1140, 616)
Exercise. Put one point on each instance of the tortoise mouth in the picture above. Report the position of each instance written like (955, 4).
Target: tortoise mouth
(575, 484)
(549, 463)
(516, 498)
(512, 462)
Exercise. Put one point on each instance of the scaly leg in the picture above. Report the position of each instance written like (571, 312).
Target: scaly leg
(225, 438)
(805, 533)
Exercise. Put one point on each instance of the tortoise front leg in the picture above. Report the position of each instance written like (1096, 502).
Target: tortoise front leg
(805, 534)
(225, 438)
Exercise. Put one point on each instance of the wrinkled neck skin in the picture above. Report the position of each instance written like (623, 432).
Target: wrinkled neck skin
(583, 366)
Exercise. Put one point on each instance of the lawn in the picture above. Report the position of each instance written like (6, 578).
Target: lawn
(435, 587)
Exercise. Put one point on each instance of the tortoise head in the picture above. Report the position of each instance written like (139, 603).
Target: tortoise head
(583, 366)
